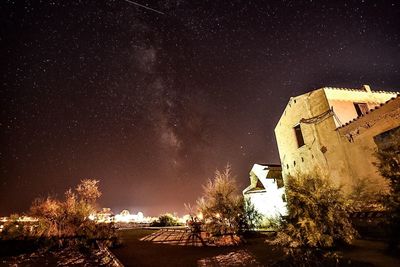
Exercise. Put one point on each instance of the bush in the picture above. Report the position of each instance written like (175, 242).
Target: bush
(62, 220)
(250, 218)
(388, 155)
(317, 215)
(223, 207)
(165, 220)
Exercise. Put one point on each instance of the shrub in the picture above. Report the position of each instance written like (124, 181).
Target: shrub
(223, 207)
(388, 155)
(66, 219)
(250, 218)
(165, 220)
(317, 214)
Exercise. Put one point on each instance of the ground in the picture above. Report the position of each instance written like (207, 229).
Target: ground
(255, 252)
(134, 252)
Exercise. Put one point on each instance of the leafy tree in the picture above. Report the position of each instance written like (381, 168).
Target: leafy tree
(165, 220)
(251, 218)
(388, 155)
(223, 207)
(317, 214)
(88, 190)
(49, 211)
(70, 217)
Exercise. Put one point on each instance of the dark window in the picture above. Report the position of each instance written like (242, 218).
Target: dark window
(299, 136)
(361, 108)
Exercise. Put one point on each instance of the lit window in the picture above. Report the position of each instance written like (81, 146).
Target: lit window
(299, 135)
(361, 108)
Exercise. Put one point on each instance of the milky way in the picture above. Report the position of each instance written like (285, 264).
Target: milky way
(152, 103)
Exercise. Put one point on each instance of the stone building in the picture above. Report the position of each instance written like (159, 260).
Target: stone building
(334, 131)
(266, 190)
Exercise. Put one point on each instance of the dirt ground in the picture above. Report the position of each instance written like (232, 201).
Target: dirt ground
(134, 252)
(255, 252)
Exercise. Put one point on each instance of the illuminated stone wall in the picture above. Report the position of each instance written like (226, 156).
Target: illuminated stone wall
(266, 191)
(327, 150)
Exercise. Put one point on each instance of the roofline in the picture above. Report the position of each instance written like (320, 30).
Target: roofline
(358, 90)
(269, 165)
(292, 98)
(369, 111)
(362, 89)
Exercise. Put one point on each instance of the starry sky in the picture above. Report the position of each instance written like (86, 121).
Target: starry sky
(152, 102)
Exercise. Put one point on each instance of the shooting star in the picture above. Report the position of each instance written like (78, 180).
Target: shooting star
(146, 7)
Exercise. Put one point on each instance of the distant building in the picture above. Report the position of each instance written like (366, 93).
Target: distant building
(335, 131)
(125, 216)
(266, 190)
(105, 215)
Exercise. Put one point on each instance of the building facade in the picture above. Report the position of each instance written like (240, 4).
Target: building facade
(266, 190)
(333, 132)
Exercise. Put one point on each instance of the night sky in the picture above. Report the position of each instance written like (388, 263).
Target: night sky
(152, 103)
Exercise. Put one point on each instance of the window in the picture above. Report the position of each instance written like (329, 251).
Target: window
(361, 108)
(299, 135)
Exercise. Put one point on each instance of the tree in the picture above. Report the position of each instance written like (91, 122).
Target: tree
(70, 217)
(49, 211)
(165, 220)
(317, 214)
(88, 190)
(222, 206)
(251, 217)
(388, 165)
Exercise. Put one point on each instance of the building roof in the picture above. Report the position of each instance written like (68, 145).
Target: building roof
(392, 100)
(269, 165)
(261, 176)
(364, 88)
